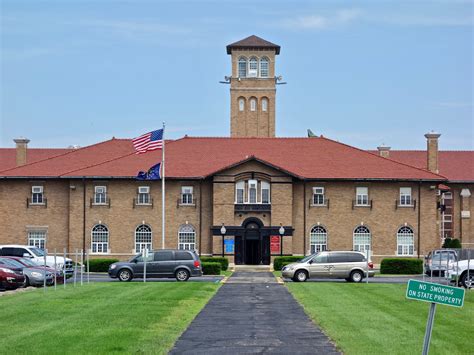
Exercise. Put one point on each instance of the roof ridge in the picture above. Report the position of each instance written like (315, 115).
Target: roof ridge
(378, 156)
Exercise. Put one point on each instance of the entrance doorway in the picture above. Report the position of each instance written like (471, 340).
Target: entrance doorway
(252, 248)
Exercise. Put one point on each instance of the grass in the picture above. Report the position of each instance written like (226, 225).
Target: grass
(377, 318)
(101, 318)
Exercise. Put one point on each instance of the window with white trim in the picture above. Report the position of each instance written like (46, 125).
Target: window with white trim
(242, 67)
(143, 197)
(405, 241)
(37, 195)
(143, 238)
(187, 237)
(37, 239)
(318, 196)
(264, 67)
(362, 196)
(252, 198)
(405, 196)
(265, 191)
(318, 239)
(253, 67)
(264, 104)
(252, 192)
(253, 104)
(362, 239)
(187, 195)
(100, 239)
(239, 191)
(100, 195)
(241, 104)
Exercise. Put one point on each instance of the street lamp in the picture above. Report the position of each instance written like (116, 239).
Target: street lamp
(223, 231)
(282, 232)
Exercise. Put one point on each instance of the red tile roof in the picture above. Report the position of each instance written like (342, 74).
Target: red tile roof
(252, 42)
(8, 155)
(199, 157)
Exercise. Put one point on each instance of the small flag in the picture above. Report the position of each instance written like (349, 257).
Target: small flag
(148, 141)
(154, 173)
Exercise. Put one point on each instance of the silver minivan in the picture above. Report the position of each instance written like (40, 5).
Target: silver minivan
(349, 265)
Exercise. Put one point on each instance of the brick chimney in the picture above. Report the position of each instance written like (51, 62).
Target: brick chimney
(21, 150)
(432, 151)
(384, 151)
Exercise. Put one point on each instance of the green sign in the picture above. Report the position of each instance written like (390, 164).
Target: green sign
(435, 293)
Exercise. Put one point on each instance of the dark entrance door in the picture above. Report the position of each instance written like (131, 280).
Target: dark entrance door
(252, 248)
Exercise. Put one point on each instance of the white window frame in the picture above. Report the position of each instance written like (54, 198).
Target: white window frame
(405, 241)
(253, 104)
(265, 185)
(362, 239)
(187, 195)
(143, 238)
(240, 186)
(37, 238)
(252, 71)
(100, 239)
(252, 184)
(264, 104)
(143, 197)
(97, 199)
(318, 239)
(264, 67)
(186, 237)
(241, 104)
(362, 196)
(37, 195)
(405, 197)
(242, 67)
(318, 191)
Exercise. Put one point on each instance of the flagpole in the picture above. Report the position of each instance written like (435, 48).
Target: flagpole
(163, 214)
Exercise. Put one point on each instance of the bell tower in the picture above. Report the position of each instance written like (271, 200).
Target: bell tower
(252, 87)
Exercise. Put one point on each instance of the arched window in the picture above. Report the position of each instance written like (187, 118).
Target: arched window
(265, 104)
(186, 237)
(100, 239)
(405, 241)
(143, 238)
(253, 104)
(242, 67)
(264, 67)
(241, 104)
(362, 239)
(253, 67)
(318, 239)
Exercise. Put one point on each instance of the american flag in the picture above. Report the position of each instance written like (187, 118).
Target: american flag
(148, 141)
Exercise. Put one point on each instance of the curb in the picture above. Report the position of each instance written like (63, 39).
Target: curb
(280, 280)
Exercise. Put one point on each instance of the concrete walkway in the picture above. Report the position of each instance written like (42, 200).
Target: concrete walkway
(253, 314)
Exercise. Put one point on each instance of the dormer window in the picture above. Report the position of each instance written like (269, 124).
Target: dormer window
(252, 192)
(37, 195)
(242, 67)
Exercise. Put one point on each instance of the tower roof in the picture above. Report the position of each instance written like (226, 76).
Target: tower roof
(253, 42)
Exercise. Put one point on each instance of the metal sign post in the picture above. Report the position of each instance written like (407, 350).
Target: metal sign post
(44, 278)
(88, 276)
(75, 269)
(145, 255)
(64, 269)
(429, 329)
(82, 265)
(368, 255)
(55, 271)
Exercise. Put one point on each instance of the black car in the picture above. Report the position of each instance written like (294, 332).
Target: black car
(181, 264)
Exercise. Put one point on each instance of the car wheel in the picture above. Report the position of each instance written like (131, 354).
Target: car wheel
(468, 282)
(301, 276)
(356, 276)
(26, 283)
(182, 275)
(125, 275)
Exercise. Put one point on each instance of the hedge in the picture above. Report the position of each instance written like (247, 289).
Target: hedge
(211, 268)
(100, 265)
(216, 259)
(281, 261)
(401, 266)
(452, 243)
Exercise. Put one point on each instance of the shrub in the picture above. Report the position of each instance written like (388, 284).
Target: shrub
(401, 266)
(211, 268)
(100, 265)
(216, 259)
(452, 243)
(281, 261)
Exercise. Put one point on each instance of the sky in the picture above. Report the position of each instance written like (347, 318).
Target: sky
(364, 72)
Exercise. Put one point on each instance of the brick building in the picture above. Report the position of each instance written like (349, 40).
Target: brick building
(272, 195)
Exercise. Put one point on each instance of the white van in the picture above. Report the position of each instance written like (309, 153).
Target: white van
(37, 255)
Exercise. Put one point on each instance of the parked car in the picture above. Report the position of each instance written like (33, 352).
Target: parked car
(181, 264)
(437, 261)
(349, 265)
(34, 273)
(10, 279)
(37, 255)
(463, 271)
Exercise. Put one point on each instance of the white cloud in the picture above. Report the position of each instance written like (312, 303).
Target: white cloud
(322, 22)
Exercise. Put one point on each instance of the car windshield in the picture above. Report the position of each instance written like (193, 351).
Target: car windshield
(11, 262)
(308, 258)
(38, 251)
(27, 262)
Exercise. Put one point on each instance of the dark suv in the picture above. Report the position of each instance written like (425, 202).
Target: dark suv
(181, 264)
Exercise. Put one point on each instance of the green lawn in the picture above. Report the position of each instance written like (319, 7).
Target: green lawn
(101, 317)
(377, 318)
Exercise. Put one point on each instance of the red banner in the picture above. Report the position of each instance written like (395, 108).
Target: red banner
(275, 244)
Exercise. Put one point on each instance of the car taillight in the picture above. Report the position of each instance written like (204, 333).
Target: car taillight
(197, 263)
(371, 265)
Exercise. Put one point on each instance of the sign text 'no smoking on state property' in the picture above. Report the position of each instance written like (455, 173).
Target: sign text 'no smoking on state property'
(435, 293)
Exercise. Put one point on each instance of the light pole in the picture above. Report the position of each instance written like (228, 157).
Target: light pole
(282, 232)
(223, 231)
